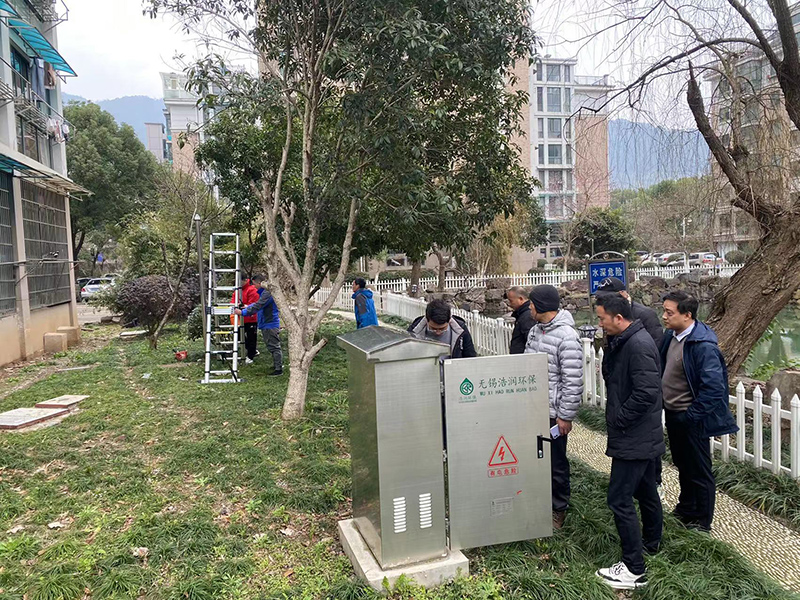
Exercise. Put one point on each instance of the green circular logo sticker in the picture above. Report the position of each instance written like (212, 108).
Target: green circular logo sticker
(466, 387)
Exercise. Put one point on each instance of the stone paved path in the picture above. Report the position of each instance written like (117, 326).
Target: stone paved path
(770, 546)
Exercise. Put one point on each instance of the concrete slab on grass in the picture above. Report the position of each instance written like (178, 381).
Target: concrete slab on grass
(67, 401)
(132, 335)
(428, 574)
(25, 417)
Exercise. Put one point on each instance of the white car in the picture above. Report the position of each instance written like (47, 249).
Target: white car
(94, 286)
(669, 257)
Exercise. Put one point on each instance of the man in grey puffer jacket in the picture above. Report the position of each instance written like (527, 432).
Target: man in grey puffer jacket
(554, 334)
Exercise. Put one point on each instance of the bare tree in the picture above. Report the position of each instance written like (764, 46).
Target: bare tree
(707, 44)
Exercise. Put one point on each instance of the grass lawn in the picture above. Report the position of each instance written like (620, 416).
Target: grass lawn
(163, 488)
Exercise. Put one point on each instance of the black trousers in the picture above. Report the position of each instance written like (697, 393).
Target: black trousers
(559, 469)
(272, 339)
(251, 339)
(692, 456)
(635, 479)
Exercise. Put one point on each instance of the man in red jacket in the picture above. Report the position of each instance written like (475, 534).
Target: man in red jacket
(250, 296)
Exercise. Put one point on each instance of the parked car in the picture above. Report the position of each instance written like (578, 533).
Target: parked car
(676, 259)
(668, 257)
(704, 259)
(94, 286)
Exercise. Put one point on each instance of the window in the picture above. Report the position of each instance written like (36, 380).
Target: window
(44, 219)
(554, 154)
(555, 252)
(567, 100)
(540, 99)
(752, 74)
(568, 181)
(553, 72)
(568, 129)
(8, 291)
(539, 70)
(567, 73)
(398, 260)
(569, 154)
(553, 99)
(555, 181)
(724, 223)
(554, 129)
(541, 128)
(752, 111)
(724, 85)
(541, 154)
(725, 114)
(796, 19)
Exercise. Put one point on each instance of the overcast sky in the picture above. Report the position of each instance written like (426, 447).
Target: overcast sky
(116, 50)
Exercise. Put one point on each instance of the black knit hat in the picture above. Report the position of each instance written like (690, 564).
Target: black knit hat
(611, 284)
(545, 298)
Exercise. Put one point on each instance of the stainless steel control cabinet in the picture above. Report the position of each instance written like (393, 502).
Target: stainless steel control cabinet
(497, 416)
(396, 444)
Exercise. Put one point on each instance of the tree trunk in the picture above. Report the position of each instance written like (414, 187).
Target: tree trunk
(416, 271)
(301, 354)
(442, 273)
(744, 308)
(77, 244)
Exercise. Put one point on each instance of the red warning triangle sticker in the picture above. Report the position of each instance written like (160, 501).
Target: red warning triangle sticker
(502, 455)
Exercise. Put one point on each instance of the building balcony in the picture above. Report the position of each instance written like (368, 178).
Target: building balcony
(49, 11)
(593, 81)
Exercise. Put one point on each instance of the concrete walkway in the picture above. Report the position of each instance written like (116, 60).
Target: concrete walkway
(770, 546)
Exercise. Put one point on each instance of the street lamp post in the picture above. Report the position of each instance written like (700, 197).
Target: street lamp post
(685, 252)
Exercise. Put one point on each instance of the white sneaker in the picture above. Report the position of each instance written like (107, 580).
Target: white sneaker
(248, 361)
(620, 578)
(258, 352)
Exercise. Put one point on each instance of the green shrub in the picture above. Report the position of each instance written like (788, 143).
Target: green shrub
(736, 257)
(145, 301)
(195, 324)
(572, 265)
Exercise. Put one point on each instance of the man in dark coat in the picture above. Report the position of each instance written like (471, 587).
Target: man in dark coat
(696, 405)
(517, 299)
(647, 316)
(440, 325)
(635, 438)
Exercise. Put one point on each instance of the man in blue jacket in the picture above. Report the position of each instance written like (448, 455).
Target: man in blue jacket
(696, 405)
(269, 323)
(364, 305)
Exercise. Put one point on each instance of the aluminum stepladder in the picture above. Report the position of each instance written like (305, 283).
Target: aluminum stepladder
(224, 280)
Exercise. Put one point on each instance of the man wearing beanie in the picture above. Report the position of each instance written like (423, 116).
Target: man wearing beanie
(554, 334)
(648, 317)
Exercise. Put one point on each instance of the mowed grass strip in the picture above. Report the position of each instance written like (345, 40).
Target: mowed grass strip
(166, 489)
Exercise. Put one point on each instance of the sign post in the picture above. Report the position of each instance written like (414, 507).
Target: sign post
(603, 265)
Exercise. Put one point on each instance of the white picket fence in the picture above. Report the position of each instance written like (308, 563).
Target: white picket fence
(490, 336)
(532, 279)
(493, 336)
(754, 413)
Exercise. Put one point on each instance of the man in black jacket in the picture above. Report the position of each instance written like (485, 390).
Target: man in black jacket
(635, 438)
(517, 299)
(647, 316)
(440, 325)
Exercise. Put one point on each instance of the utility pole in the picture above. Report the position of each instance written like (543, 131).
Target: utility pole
(200, 269)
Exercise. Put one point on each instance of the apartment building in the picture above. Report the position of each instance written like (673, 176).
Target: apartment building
(37, 289)
(754, 107)
(564, 145)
